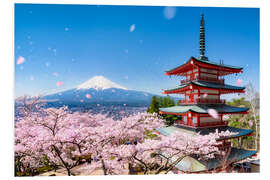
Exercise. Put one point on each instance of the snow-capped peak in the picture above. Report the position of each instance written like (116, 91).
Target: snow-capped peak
(99, 82)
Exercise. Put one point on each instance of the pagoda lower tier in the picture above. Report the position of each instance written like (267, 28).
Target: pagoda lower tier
(197, 115)
(191, 164)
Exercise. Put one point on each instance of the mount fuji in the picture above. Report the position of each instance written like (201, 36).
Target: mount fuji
(100, 90)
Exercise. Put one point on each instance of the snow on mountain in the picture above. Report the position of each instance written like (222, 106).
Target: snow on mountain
(99, 83)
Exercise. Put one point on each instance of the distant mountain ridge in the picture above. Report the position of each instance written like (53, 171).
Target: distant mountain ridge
(100, 90)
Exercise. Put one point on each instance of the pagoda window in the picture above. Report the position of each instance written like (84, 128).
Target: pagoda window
(194, 120)
(185, 119)
(213, 76)
(209, 119)
(195, 70)
(208, 70)
(195, 90)
(202, 91)
(195, 97)
(212, 97)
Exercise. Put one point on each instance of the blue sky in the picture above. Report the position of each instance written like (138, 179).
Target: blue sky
(130, 45)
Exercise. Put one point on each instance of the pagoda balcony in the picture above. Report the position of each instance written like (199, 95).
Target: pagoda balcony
(213, 124)
(219, 81)
(202, 125)
(203, 101)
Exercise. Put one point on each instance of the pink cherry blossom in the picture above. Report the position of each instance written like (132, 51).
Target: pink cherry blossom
(20, 60)
(59, 83)
(63, 136)
(213, 113)
(250, 123)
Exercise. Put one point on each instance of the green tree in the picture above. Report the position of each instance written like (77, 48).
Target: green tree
(154, 106)
(243, 121)
(162, 102)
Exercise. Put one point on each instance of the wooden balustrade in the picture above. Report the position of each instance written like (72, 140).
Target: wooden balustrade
(220, 81)
(205, 124)
(203, 101)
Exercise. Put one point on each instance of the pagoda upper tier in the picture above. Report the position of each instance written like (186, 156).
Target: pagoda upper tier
(198, 66)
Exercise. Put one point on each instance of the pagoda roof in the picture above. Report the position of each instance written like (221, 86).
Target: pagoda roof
(193, 165)
(212, 64)
(206, 85)
(202, 109)
(167, 131)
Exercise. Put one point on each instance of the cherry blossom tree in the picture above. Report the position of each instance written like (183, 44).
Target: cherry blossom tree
(64, 137)
(116, 146)
(162, 153)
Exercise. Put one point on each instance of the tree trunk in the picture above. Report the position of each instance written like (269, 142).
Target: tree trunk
(103, 167)
(68, 170)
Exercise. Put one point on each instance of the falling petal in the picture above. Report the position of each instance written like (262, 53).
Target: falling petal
(226, 117)
(59, 83)
(98, 104)
(213, 113)
(126, 77)
(88, 96)
(205, 95)
(55, 73)
(124, 104)
(49, 48)
(81, 100)
(113, 90)
(132, 28)
(169, 12)
(66, 29)
(239, 82)
(32, 78)
(20, 60)
(122, 112)
(47, 64)
(250, 123)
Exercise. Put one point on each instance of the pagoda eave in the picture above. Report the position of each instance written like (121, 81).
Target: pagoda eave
(222, 88)
(223, 113)
(223, 69)
(203, 109)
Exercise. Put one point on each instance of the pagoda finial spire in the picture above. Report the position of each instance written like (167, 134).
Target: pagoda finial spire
(202, 39)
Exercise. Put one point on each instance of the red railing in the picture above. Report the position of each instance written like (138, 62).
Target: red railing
(209, 124)
(205, 124)
(203, 101)
(220, 81)
(211, 101)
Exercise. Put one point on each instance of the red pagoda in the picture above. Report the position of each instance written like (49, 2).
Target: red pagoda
(202, 87)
